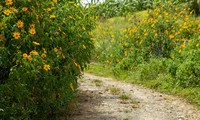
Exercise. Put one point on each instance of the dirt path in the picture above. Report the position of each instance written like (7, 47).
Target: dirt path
(107, 99)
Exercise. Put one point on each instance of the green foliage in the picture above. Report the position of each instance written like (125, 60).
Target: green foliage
(43, 48)
(194, 5)
(158, 47)
(188, 73)
(151, 70)
(113, 8)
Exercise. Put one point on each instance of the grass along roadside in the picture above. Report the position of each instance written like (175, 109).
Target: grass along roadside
(160, 84)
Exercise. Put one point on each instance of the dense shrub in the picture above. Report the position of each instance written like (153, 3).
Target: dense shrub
(43, 48)
(151, 70)
(169, 34)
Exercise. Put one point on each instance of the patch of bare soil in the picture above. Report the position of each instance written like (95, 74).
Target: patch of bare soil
(107, 99)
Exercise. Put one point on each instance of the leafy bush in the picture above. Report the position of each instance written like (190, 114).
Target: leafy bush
(168, 34)
(43, 48)
(188, 73)
(151, 70)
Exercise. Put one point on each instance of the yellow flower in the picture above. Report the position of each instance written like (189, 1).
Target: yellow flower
(7, 12)
(83, 47)
(183, 45)
(197, 45)
(171, 36)
(71, 2)
(32, 31)
(34, 52)
(77, 65)
(71, 86)
(83, 28)
(29, 58)
(125, 53)
(32, 26)
(46, 67)
(55, 1)
(24, 9)
(44, 50)
(55, 50)
(36, 43)
(52, 16)
(16, 35)
(48, 9)
(25, 55)
(167, 21)
(9, 2)
(170, 3)
(189, 41)
(14, 10)
(44, 55)
(20, 24)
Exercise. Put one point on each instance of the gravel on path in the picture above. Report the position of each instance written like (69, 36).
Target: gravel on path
(103, 98)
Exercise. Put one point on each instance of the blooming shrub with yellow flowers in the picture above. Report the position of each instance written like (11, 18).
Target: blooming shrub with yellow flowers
(44, 46)
(168, 33)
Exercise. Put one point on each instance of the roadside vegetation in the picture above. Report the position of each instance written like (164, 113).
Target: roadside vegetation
(158, 48)
(44, 46)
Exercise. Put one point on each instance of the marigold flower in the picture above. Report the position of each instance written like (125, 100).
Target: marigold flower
(167, 21)
(71, 86)
(84, 47)
(25, 55)
(44, 50)
(60, 52)
(55, 50)
(36, 43)
(32, 31)
(16, 35)
(24, 9)
(20, 24)
(52, 16)
(29, 58)
(34, 52)
(55, 1)
(9, 2)
(44, 55)
(46, 67)
(183, 45)
(7, 12)
(171, 36)
(32, 26)
(14, 10)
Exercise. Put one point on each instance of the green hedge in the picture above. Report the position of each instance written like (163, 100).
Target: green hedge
(44, 45)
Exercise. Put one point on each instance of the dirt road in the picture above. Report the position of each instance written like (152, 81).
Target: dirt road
(107, 99)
